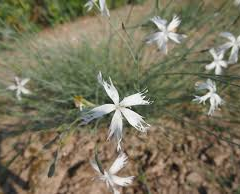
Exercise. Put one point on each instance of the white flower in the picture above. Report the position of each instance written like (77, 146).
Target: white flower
(19, 87)
(166, 32)
(237, 2)
(102, 6)
(109, 176)
(89, 5)
(214, 98)
(218, 62)
(233, 43)
(121, 109)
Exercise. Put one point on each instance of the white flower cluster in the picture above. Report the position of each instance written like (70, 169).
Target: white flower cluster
(218, 64)
(122, 109)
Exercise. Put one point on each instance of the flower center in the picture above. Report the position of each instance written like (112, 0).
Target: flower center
(118, 107)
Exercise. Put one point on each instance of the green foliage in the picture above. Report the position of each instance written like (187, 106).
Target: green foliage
(23, 15)
(60, 72)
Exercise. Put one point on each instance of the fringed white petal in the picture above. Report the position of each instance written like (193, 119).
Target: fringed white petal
(162, 44)
(135, 119)
(215, 102)
(178, 38)
(209, 85)
(159, 22)
(135, 99)
(202, 99)
(119, 163)
(97, 113)
(122, 181)
(116, 127)
(174, 24)
(109, 88)
(154, 37)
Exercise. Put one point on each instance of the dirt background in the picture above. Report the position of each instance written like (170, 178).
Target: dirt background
(163, 161)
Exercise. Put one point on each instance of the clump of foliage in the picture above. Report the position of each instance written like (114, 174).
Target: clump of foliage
(24, 15)
(61, 72)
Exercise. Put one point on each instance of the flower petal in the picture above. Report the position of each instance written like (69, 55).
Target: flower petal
(218, 70)
(223, 64)
(89, 5)
(17, 80)
(210, 66)
(225, 46)
(213, 53)
(103, 8)
(25, 91)
(237, 2)
(18, 94)
(159, 22)
(163, 46)
(12, 87)
(228, 35)
(162, 43)
(135, 99)
(221, 55)
(118, 164)
(178, 38)
(234, 54)
(135, 120)
(215, 102)
(174, 24)
(98, 112)
(122, 181)
(109, 88)
(115, 128)
(209, 85)
(24, 81)
(154, 37)
(202, 99)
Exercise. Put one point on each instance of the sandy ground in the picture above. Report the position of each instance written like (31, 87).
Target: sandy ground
(167, 160)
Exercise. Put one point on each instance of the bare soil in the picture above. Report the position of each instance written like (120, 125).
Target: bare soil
(162, 161)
